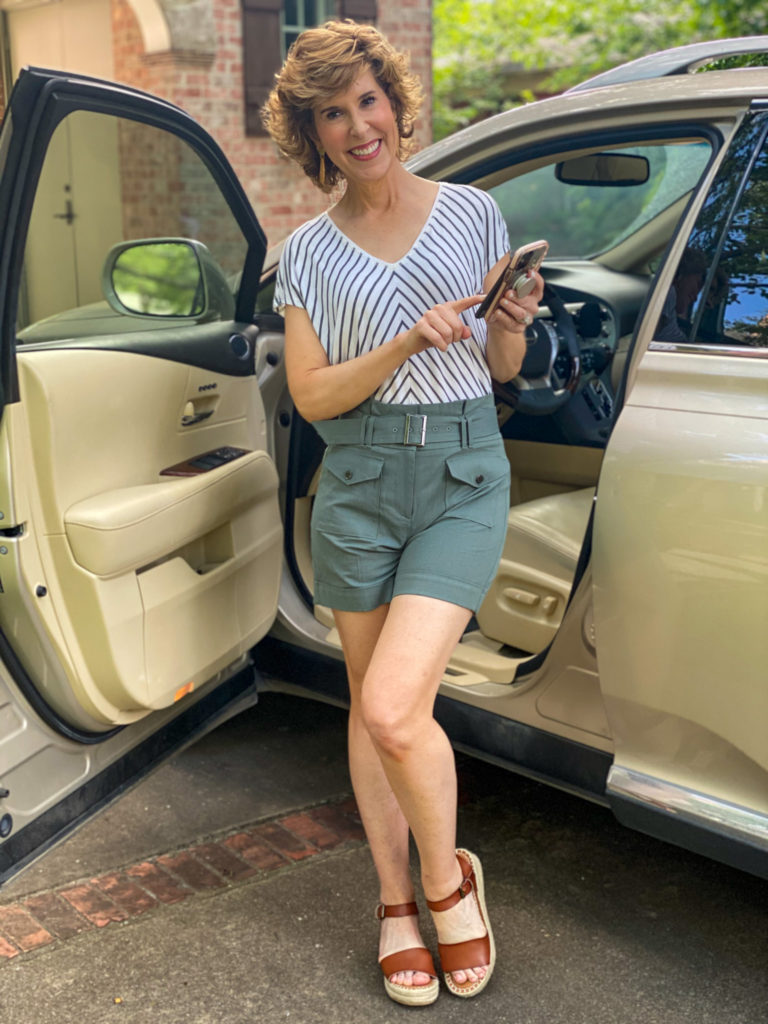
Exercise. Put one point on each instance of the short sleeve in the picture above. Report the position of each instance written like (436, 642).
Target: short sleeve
(498, 234)
(288, 291)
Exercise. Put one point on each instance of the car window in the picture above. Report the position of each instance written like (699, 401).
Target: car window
(107, 180)
(733, 304)
(582, 220)
(719, 294)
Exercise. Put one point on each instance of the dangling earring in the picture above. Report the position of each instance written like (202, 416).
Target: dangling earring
(321, 169)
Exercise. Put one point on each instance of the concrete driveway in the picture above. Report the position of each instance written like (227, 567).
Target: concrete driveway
(234, 886)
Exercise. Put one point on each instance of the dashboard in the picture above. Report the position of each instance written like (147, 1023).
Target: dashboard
(604, 306)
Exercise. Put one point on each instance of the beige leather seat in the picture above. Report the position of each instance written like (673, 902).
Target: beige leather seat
(526, 602)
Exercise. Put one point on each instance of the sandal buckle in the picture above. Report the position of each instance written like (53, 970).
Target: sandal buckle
(465, 888)
(381, 912)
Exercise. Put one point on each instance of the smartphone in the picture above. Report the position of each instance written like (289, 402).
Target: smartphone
(515, 275)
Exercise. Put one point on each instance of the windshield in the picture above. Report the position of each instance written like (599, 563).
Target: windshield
(581, 221)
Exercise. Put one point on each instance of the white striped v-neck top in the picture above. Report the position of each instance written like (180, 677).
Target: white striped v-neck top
(356, 301)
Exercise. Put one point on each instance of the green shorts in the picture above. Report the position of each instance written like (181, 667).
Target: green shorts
(412, 499)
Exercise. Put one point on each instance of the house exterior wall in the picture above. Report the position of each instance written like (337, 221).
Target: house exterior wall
(209, 85)
(74, 35)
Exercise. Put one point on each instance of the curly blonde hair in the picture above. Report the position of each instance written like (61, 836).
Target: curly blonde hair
(322, 62)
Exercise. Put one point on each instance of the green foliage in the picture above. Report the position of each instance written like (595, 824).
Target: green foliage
(479, 45)
(736, 18)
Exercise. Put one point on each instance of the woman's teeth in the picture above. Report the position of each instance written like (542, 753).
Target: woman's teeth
(366, 150)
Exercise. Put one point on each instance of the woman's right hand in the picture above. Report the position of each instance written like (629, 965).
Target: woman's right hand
(321, 391)
(440, 326)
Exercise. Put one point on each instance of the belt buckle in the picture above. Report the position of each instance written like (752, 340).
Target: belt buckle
(415, 432)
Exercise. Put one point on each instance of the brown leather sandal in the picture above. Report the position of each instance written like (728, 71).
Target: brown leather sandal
(462, 956)
(414, 958)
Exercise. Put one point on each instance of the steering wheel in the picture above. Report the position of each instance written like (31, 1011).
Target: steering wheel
(537, 389)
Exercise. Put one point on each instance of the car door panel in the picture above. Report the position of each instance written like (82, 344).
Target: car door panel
(681, 541)
(704, 593)
(144, 573)
(136, 570)
(680, 608)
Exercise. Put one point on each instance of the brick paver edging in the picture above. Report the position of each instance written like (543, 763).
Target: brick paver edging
(59, 914)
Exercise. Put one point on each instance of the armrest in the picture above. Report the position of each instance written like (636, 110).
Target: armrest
(131, 527)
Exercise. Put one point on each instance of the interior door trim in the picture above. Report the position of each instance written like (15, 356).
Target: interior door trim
(41, 707)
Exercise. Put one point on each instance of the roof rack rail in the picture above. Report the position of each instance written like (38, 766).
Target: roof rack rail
(680, 60)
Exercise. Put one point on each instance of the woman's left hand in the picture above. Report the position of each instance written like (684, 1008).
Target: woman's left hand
(506, 346)
(515, 314)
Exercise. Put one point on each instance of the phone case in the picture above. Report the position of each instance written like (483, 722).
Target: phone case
(514, 275)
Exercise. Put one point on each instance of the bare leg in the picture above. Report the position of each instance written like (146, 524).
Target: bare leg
(396, 700)
(384, 822)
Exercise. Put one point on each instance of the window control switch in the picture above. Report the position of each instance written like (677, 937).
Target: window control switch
(205, 462)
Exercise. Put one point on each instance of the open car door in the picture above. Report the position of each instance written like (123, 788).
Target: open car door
(140, 534)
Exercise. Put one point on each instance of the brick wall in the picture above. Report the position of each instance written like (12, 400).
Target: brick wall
(211, 90)
(166, 190)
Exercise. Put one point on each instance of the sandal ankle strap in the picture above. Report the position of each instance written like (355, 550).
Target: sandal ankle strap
(465, 887)
(396, 910)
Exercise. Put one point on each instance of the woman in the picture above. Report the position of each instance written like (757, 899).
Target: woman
(385, 357)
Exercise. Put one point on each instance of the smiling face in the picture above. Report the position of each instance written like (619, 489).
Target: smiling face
(357, 128)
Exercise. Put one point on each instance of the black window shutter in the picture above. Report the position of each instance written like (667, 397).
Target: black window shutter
(358, 10)
(261, 57)
(262, 46)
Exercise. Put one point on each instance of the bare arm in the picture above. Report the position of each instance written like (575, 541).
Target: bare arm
(505, 350)
(321, 391)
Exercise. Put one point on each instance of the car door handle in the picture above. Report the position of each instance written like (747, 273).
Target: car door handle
(195, 417)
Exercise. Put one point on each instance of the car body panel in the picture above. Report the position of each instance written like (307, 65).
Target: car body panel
(681, 557)
(680, 638)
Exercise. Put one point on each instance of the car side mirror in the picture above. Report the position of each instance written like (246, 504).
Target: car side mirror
(166, 278)
(606, 169)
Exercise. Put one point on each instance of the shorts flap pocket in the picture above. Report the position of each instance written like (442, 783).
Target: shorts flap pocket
(351, 466)
(477, 467)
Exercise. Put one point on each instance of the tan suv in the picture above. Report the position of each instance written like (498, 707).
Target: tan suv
(157, 483)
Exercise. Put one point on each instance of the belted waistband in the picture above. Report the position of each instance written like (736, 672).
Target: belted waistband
(411, 429)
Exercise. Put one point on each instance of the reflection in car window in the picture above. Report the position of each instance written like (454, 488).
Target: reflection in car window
(733, 307)
(675, 320)
(107, 180)
(581, 221)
